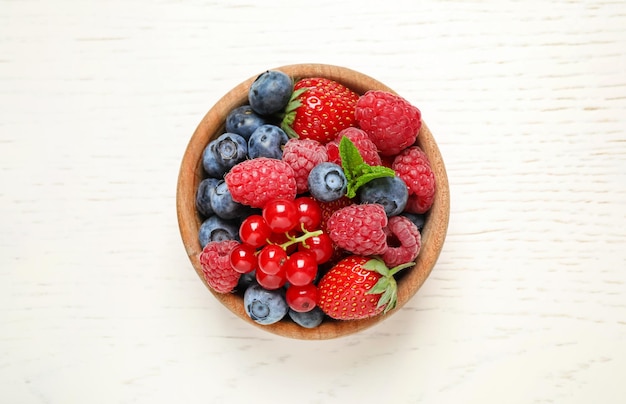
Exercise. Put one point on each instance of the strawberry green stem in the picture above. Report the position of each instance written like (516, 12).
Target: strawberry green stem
(290, 113)
(400, 267)
(386, 287)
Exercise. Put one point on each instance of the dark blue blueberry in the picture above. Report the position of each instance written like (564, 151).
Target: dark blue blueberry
(217, 229)
(309, 319)
(391, 192)
(246, 280)
(243, 121)
(327, 182)
(418, 219)
(210, 163)
(203, 196)
(270, 92)
(224, 153)
(267, 141)
(222, 202)
(264, 306)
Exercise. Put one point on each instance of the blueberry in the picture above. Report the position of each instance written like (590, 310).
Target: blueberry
(243, 121)
(309, 319)
(222, 202)
(209, 161)
(270, 92)
(224, 153)
(217, 229)
(264, 306)
(246, 280)
(267, 141)
(391, 192)
(418, 219)
(327, 182)
(203, 196)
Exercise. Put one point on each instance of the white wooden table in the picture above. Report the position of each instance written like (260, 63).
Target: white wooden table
(99, 303)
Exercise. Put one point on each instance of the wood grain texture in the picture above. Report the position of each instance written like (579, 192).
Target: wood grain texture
(526, 100)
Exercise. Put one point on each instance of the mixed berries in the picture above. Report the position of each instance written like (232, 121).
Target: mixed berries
(313, 200)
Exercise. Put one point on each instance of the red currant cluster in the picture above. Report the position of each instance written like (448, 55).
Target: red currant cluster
(284, 244)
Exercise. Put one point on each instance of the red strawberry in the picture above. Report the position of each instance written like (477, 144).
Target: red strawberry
(358, 287)
(320, 108)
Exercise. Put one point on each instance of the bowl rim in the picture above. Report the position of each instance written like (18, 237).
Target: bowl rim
(190, 174)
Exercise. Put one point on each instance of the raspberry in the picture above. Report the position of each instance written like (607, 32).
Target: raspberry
(391, 121)
(216, 268)
(413, 167)
(257, 181)
(302, 155)
(328, 208)
(359, 229)
(362, 141)
(401, 230)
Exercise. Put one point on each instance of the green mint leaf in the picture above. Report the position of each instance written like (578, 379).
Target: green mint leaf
(369, 173)
(350, 157)
(358, 172)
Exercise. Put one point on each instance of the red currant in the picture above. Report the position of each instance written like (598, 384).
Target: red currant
(254, 231)
(301, 268)
(271, 259)
(243, 258)
(321, 246)
(282, 238)
(280, 215)
(301, 298)
(309, 212)
(271, 282)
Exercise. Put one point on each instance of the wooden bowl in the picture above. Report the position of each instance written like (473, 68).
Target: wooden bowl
(192, 172)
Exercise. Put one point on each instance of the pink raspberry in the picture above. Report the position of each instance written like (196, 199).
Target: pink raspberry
(255, 182)
(413, 166)
(362, 141)
(302, 155)
(391, 121)
(403, 232)
(359, 228)
(328, 208)
(216, 268)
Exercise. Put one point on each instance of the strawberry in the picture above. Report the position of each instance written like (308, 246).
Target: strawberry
(319, 109)
(358, 287)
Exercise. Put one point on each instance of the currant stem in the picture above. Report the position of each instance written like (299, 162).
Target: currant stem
(294, 240)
